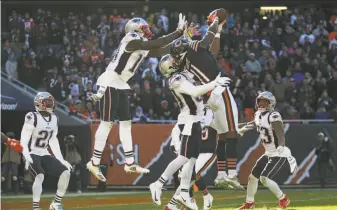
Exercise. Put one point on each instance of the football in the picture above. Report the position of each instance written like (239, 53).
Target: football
(221, 13)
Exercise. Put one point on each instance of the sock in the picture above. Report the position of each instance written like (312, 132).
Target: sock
(272, 186)
(171, 169)
(36, 205)
(37, 189)
(126, 140)
(191, 191)
(201, 184)
(251, 188)
(172, 203)
(221, 155)
(186, 174)
(101, 137)
(62, 186)
(232, 156)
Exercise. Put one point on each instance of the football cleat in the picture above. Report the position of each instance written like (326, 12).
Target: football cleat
(134, 168)
(208, 201)
(96, 171)
(283, 203)
(247, 206)
(55, 206)
(185, 199)
(155, 193)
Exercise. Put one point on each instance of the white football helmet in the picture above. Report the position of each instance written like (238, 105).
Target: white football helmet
(166, 66)
(140, 26)
(44, 102)
(267, 96)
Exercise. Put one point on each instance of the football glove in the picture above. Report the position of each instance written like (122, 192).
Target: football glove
(181, 22)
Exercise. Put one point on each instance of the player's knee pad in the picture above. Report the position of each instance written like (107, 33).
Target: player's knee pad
(252, 177)
(3, 179)
(39, 178)
(15, 178)
(263, 180)
(66, 174)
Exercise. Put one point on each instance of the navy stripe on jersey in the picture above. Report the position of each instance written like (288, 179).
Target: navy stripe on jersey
(136, 65)
(180, 103)
(35, 119)
(122, 62)
(190, 103)
(275, 139)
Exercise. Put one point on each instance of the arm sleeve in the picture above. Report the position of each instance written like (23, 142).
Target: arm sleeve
(55, 146)
(26, 132)
(182, 85)
(215, 46)
(158, 52)
(207, 39)
(152, 44)
(276, 122)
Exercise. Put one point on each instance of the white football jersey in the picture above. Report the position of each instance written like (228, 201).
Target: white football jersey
(191, 108)
(45, 129)
(268, 138)
(124, 64)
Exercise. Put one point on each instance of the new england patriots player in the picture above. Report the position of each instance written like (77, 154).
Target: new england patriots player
(277, 157)
(112, 93)
(38, 133)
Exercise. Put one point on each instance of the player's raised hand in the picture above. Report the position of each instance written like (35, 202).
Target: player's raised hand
(222, 81)
(28, 160)
(182, 22)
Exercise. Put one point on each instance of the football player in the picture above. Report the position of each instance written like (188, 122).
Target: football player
(277, 156)
(38, 132)
(12, 143)
(188, 97)
(112, 93)
(197, 57)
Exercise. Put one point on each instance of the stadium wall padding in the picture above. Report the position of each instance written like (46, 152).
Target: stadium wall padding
(152, 142)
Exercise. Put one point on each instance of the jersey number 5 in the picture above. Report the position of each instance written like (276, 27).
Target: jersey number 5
(265, 137)
(44, 138)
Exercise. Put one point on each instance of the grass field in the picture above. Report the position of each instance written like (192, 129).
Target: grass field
(306, 199)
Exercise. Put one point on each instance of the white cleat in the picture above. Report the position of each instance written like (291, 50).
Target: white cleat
(234, 183)
(155, 193)
(221, 181)
(55, 206)
(185, 199)
(96, 171)
(134, 168)
(208, 201)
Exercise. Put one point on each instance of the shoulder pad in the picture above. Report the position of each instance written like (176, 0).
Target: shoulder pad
(30, 118)
(176, 79)
(131, 36)
(275, 116)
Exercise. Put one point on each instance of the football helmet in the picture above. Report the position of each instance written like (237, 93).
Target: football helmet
(44, 102)
(178, 51)
(166, 66)
(139, 26)
(265, 95)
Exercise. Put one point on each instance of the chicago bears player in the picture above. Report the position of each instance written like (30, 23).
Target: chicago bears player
(277, 156)
(191, 106)
(197, 57)
(38, 132)
(113, 87)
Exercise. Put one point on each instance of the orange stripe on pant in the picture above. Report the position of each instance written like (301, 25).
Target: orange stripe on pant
(229, 111)
(205, 166)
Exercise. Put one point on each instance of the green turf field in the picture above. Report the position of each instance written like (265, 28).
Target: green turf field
(305, 199)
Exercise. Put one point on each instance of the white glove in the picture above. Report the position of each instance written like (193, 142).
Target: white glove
(280, 149)
(182, 22)
(245, 128)
(222, 81)
(67, 165)
(28, 160)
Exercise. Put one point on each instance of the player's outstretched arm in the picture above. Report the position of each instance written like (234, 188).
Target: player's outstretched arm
(182, 85)
(209, 37)
(158, 52)
(215, 46)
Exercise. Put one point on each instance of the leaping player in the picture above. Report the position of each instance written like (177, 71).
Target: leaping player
(277, 156)
(113, 87)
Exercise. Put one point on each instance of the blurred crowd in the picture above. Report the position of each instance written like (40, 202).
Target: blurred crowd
(292, 53)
